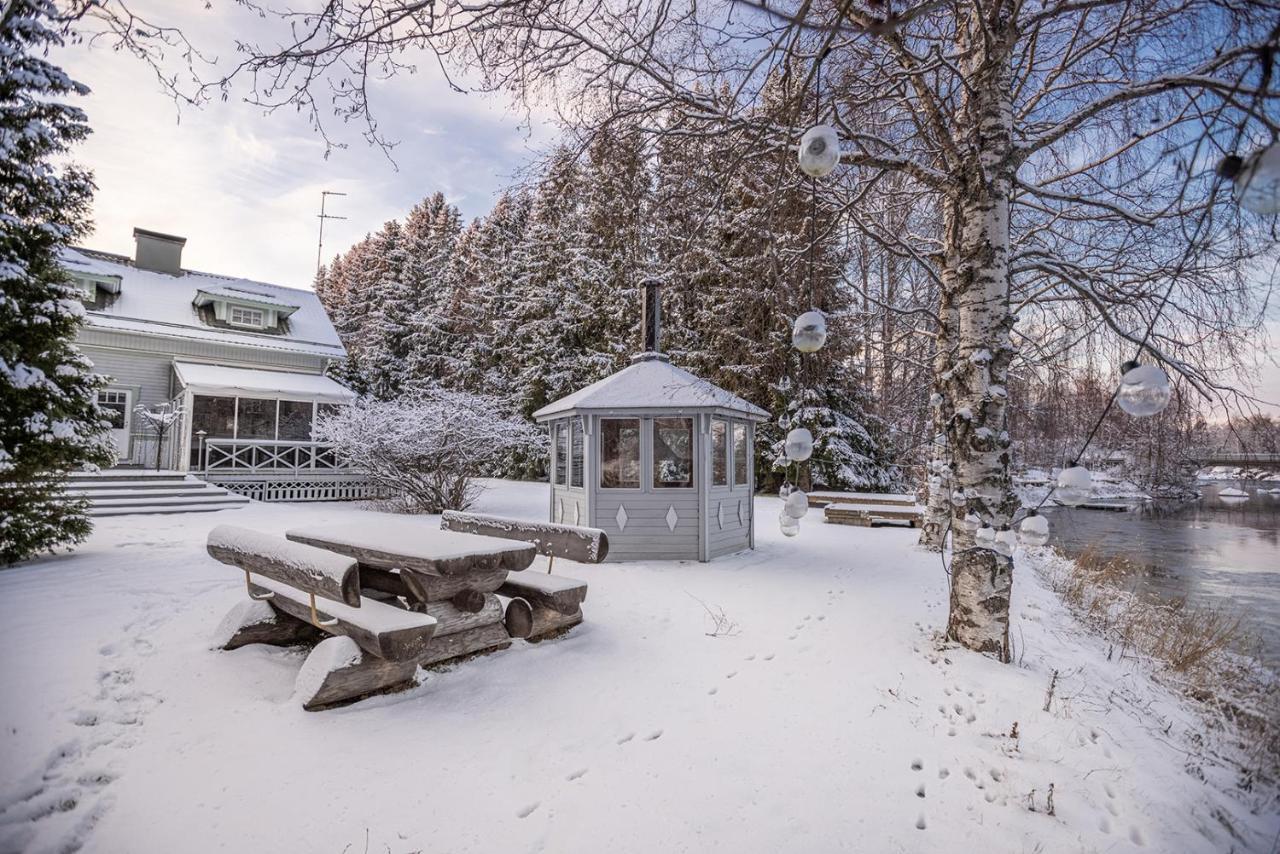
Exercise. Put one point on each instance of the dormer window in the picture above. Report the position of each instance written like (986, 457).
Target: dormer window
(241, 316)
(243, 308)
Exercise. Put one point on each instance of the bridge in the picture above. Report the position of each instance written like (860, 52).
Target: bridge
(1253, 461)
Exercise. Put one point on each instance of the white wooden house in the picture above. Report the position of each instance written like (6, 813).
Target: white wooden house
(658, 458)
(243, 360)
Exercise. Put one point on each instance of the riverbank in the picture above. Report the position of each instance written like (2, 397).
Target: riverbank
(832, 717)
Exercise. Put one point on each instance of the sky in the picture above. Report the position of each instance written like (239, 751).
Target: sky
(244, 187)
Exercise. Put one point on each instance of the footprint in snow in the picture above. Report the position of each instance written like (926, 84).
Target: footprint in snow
(653, 736)
(576, 775)
(1135, 836)
(920, 822)
(731, 674)
(943, 773)
(920, 791)
(769, 657)
(917, 764)
(751, 657)
(713, 690)
(526, 811)
(626, 738)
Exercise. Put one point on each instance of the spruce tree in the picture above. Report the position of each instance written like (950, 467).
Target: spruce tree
(51, 424)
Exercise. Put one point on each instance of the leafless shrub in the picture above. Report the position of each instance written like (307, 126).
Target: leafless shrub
(721, 625)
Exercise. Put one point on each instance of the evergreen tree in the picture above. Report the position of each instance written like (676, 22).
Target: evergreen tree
(51, 423)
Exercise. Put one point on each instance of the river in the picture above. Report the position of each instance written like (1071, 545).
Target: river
(1216, 551)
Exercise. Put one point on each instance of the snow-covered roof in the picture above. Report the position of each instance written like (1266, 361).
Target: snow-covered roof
(651, 383)
(217, 379)
(247, 295)
(160, 304)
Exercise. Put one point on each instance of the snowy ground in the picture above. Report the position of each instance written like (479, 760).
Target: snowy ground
(830, 722)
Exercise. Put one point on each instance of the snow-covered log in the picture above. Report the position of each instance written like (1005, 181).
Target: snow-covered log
(437, 588)
(560, 594)
(309, 569)
(481, 639)
(339, 671)
(257, 622)
(572, 542)
(534, 622)
(379, 629)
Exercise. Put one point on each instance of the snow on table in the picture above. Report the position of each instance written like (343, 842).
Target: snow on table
(417, 544)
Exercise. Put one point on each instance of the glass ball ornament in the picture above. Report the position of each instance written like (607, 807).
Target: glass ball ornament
(785, 490)
(819, 151)
(985, 538)
(1005, 541)
(1257, 181)
(971, 522)
(1034, 530)
(789, 525)
(1074, 487)
(809, 332)
(797, 504)
(1144, 390)
(799, 445)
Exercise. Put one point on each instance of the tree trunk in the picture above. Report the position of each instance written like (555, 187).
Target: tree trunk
(976, 245)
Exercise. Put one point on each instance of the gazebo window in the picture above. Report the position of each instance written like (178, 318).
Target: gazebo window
(575, 452)
(719, 453)
(740, 451)
(620, 453)
(672, 453)
(561, 444)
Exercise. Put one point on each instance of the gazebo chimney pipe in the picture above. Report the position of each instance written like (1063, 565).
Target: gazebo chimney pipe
(652, 315)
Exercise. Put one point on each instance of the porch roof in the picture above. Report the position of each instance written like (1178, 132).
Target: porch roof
(218, 379)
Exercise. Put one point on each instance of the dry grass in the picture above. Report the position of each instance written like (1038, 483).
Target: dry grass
(1206, 652)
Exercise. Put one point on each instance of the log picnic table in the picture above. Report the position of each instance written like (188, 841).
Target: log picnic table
(399, 595)
(873, 515)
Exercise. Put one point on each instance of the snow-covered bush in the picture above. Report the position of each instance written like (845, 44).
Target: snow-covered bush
(426, 449)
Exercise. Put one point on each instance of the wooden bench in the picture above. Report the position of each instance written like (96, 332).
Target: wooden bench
(538, 605)
(872, 515)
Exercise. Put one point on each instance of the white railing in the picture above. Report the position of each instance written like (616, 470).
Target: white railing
(268, 455)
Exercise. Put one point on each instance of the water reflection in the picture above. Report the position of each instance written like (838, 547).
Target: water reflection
(1218, 550)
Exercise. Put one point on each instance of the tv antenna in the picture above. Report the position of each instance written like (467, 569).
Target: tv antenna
(324, 197)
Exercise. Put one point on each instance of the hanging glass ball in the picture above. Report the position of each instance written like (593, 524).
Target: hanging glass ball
(819, 151)
(785, 490)
(985, 538)
(789, 525)
(799, 445)
(1144, 390)
(809, 332)
(1075, 486)
(797, 504)
(971, 522)
(1005, 541)
(1034, 530)
(1257, 184)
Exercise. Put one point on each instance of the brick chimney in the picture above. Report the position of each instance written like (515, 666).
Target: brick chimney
(161, 253)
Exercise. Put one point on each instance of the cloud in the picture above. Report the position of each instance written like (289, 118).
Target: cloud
(243, 186)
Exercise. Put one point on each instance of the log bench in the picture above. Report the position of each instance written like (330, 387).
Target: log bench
(822, 499)
(380, 602)
(872, 515)
(538, 605)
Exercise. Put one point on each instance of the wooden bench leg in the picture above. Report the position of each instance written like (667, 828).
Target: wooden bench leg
(259, 622)
(337, 671)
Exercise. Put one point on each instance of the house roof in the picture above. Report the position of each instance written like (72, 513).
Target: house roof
(153, 303)
(651, 382)
(217, 379)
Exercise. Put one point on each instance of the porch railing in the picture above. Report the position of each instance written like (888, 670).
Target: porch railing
(247, 456)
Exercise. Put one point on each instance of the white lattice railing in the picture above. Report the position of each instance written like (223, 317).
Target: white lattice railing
(269, 455)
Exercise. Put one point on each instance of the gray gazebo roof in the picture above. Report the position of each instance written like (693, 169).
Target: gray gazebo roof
(652, 383)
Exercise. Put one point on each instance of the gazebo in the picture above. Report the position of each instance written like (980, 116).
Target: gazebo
(658, 458)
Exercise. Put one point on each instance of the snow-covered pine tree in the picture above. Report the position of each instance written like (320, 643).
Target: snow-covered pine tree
(434, 349)
(51, 423)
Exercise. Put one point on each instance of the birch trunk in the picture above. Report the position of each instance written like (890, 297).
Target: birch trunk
(937, 513)
(977, 261)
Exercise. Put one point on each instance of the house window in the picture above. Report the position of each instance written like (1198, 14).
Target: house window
(575, 452)
(113, 405)
(560, 440)
(719, 453)
(216, 416)
(241, 316)
(295, 420)
(256, 419)
(740, 452)
(672, 453)
(620, 453)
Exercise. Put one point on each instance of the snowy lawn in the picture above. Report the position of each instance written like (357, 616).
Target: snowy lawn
(830, 721)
